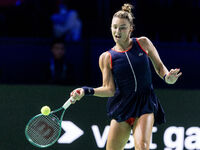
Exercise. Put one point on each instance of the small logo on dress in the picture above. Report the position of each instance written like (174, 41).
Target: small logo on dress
(140, 54)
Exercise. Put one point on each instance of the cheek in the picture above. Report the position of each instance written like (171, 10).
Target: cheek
(125, 33)
(112, 32)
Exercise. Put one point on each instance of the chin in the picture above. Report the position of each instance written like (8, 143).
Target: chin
(115, 40)
(118, 40)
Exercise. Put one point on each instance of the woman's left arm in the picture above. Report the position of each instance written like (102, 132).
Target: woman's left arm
(171, 76)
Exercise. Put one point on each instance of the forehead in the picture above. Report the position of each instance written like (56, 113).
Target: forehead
(119, 21)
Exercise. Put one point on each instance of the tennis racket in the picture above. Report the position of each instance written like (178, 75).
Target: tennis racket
(43, 131)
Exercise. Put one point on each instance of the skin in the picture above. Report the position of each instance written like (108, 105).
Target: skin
(58, 50)
(120, 131)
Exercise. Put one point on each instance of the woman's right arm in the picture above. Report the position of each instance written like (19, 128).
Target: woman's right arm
(108, 87)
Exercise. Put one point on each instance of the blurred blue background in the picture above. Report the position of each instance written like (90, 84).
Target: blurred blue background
(27, 30)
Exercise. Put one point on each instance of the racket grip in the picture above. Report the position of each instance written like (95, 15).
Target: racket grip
(68, 103)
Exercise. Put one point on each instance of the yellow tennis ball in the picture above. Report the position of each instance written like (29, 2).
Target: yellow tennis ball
(45, 110)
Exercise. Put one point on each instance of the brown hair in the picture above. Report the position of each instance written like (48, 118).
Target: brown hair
(126, 12)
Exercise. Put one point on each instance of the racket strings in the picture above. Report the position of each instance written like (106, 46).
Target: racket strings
(43, 130)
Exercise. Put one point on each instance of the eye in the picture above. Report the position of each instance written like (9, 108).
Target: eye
(114, 27)
(123, 28)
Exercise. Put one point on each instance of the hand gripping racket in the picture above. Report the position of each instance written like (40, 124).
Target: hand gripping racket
(43, 131)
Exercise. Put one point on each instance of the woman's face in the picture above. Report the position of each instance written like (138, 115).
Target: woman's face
(121, 29)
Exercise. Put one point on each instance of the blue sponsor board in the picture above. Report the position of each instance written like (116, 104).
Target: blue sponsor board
(85, 124)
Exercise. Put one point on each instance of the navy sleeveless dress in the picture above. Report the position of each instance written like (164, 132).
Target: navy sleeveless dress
(134, 94)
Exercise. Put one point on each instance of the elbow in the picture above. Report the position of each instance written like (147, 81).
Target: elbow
(111, 92)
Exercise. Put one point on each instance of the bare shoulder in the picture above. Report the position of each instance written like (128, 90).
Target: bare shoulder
(104, 59)
(105, 55)
(145, 43)
(143, 40)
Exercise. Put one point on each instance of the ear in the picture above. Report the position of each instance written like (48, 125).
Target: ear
(131, 30)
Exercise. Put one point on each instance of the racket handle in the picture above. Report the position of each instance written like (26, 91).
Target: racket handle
(68, 103)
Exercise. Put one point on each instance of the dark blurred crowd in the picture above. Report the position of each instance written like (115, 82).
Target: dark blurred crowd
(58, 69)
(39, 18)
(80, 23)
(170, 20)
(162, 20)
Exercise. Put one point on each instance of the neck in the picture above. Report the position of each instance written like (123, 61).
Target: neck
(123, 46)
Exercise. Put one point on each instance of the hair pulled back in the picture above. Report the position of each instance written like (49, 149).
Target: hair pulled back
(126, 13)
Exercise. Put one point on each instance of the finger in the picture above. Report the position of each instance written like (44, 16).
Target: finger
(178, 75)
(171, 72)
(174, 71)
(72, 93)
(78, 92)
(77, 95)
(177, 70)
(82, 91)
(73, 101)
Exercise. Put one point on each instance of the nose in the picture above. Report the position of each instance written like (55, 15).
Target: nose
(117, 30)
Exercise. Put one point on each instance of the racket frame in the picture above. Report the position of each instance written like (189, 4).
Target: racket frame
(64, 107)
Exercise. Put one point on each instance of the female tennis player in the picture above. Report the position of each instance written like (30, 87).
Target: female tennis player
(125, 68)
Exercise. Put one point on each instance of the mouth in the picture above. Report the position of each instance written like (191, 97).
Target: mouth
(117, 36)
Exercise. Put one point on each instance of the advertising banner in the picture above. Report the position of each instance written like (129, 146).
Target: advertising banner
(85, 125)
